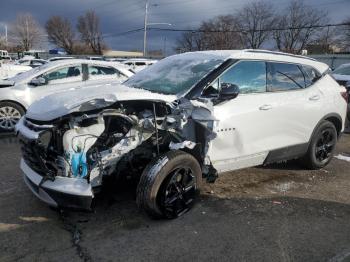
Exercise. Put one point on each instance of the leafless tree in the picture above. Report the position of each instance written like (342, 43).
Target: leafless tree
(301, 21)
(220, 33)
(61, 33)
(253, 19)
(26, 32)
(89, 29)
(345, 35)
(190, 41)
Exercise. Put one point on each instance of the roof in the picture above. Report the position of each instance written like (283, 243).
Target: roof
(84, 61)
(113, 53)
(67, 62)
(140, 60)
(259, 54)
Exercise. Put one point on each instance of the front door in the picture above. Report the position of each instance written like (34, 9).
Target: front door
(244, 126)
(57, 80)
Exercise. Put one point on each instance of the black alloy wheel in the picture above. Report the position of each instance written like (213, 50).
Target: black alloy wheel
(177, 192)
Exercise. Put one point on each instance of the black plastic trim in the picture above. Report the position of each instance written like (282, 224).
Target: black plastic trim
(286, 153)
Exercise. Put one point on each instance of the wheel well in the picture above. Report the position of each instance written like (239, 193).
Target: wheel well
(15, 102)
(336, 122)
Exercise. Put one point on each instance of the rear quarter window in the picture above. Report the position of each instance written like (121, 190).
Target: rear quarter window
(287, 76)
(311, 75)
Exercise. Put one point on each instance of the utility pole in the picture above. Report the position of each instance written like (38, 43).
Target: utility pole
(6, 39)
(164, 48)
(145, 30)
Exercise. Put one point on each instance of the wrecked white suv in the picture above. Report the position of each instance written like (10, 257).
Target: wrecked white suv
(186, 117)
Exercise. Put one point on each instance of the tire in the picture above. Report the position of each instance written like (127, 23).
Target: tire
(169, 185)
(321, 147)
(10, 113)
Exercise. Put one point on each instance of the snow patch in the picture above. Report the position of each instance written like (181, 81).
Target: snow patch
(343, 157)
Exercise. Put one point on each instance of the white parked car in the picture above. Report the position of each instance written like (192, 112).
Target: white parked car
(22, 65)
(342, 76)
(17, 93)
(11, 70)
(31, 62)
(189, 115)
(56, 58)
(138, 64)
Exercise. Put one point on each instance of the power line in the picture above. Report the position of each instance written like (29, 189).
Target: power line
(122, 33)
(111, 35)
(248, 30)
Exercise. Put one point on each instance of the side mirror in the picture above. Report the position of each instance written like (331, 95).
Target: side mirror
(38, 81)
(228, 91)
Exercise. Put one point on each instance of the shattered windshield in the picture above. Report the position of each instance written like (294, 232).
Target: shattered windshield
(176, 74)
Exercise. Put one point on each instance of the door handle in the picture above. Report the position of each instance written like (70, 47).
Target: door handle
(314, 98)
(265, 107)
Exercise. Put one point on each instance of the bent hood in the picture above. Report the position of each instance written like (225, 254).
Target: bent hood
(89, 98)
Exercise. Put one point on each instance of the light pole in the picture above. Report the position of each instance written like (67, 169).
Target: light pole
(5, 26)
(146, 24)
(145, 29)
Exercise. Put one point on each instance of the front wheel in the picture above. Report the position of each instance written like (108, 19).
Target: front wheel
(10, 113)
(321, 147)
(169, 185)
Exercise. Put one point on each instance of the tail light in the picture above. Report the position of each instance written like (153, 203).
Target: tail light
(345, 95)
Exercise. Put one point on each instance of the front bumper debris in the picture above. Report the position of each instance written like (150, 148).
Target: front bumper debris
(62, 192)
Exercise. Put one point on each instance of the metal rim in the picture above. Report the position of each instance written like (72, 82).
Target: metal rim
(325, 145)
(178, 192)
(9, 116)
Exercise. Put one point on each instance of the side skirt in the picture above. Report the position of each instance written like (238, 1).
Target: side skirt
(286, 153)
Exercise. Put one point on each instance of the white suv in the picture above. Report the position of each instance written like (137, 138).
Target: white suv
(189, 115)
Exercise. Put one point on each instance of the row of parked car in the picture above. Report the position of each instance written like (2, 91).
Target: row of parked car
(186, 117)
(33, 79)
(9, 68)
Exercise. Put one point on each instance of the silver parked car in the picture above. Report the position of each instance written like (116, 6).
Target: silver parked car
(20, 91)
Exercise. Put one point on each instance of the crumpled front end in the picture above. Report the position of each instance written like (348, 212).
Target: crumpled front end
(65, 161)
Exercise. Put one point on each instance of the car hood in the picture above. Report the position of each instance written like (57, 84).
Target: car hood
(6, 83)
(90, 98)
(341, 77)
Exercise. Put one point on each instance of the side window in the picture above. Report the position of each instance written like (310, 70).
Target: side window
(101, 72)
(284, 77)
(63, 75)
(249, 76)
(311, 75)
(24, 62)
(36, 63)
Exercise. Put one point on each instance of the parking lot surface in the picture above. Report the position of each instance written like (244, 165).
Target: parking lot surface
(276, 213)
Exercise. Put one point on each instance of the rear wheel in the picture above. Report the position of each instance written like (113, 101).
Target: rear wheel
(322, 146)
(169, 185)
(10, 113)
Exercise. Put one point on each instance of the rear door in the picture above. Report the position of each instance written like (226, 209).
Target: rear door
(296, 103)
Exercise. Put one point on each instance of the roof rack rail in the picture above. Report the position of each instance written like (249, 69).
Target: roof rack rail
(277, 53)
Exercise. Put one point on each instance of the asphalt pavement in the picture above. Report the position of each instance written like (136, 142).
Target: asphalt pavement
(275, 213)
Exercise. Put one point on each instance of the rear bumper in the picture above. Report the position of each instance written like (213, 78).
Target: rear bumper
(62, 192)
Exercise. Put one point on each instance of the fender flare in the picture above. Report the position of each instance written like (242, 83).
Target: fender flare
(15, 102)
(326, 117)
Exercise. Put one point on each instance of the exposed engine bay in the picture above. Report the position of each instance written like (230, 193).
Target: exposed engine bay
(119, 140)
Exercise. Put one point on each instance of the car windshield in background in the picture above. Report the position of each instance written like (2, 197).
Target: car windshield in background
(342, 70)
(175, 75)
(25, 75)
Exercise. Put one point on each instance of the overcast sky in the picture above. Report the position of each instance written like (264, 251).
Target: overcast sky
(118, 16)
